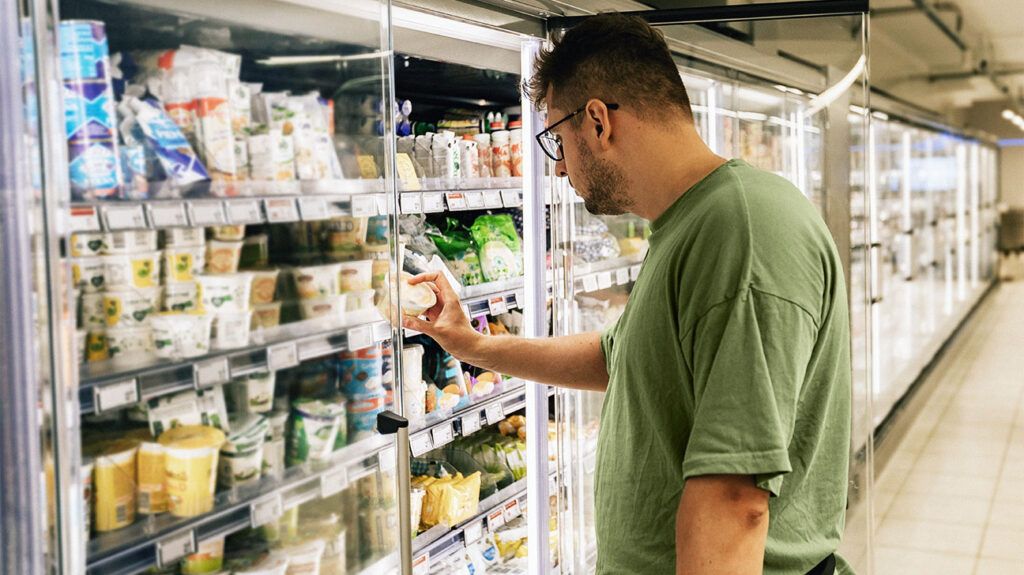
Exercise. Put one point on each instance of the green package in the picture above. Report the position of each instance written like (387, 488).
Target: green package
(501, 252)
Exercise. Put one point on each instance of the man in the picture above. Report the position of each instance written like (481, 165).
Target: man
(725, 430)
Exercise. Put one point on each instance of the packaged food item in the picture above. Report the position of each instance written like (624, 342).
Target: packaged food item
(360, 301)
(501, 154)
(212, 408)
(484, 162)
(317, 281)
(255, 252)
(278, 424)
(501, 254)
(355, 276)
(459, 253)
(134, 185)
(254, 393)
(314, 430)
(128, 345)
(88, 274)
(231, 329)
(213, 115)
(346, 231)
(240, 98)
(305, 558)
(127, 307)
(229, 233)
(80, 337)
(139, 270)
(241, 457)
(114, 476)
(266, 315)
(362, 416)
(182, 297)
(88, 244)
(264, 286)
(360, 373)
(223, 257)
(445, 155)
(152, 491)
(192, 453)
(94, 314)
(330, 308)
(181, 335)
(271, 155)
(130, 242)
(273, 458)
(184, 264)
(208, 558)
(470, 158)
(96, 348)
(87, 494)
(416, 299)
(515, 146)
(184, 237)
(173, 411)
(163, 136)
(225, 292)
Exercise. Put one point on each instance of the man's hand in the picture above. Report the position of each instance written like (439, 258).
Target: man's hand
(446, 323)
(721, 526)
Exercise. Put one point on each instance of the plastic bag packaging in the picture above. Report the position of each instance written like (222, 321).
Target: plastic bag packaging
(501, 252)
(593, 241)
(459, 253)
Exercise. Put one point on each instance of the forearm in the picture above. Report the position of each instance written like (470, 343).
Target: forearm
(721, 527)
(574, 361)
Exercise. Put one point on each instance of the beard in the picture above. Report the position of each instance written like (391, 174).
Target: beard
(604, 183)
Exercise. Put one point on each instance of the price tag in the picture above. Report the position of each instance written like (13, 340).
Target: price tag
(266, 510)
(281, 210)
(169, 215)
(470, 423)
(244, 212)
(475, 200)
(456, 200)
(433, 202)
(494, 413)
(421, 565)
(124, 217)
(211, 372)
(420, 444)
(313, 209)
(473, 532)
(207, 213)
(381, 331)
(590, 283)
(511, 198)
(604, 280)
(520, 298)
(333, 482)
(175, 548)
(442, 435)
(364, 206)
(634, 272)
(360, 337)
(496, 305)
(622, 276)
(282, 356)
(492, 199)
(115, 395)
(386, 459)
(512, 510)
(495, 519)
(412, 203)
(85, 219)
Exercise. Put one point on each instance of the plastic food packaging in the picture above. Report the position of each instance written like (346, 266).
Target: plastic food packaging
(362, 416)
(152, 488)
(416, 299)
(483, 144)
(89, 274)
(241, 457)
(140, 270)
(360, 373)
(356, 276)
(317, 281)
(80, 336)
(192, 453)
(273, 458)
(272, 156)
(94, 314)
(181, 297)
(515, 146)
(330, 308)
(128, 345)
(501, 154)
(114, 476)
(225, 292)
(207, 560)
(459, 253)
(231, 329)
(184, 264)
(181, 335)
(88, 244)
(314, 430)
(264, 286)
(130, 307)
(223, 257)
(470, 158)
(130, 242)
(231, 233)
(255, 252)
(305, 559)
(361, 300)
(254, 393)
(501, 254)
(174, 151)
(184, 237)
(266, 315)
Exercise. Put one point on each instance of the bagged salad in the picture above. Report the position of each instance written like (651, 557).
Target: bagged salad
(501, 252)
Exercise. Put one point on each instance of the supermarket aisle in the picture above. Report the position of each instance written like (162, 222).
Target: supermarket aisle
(951, 502)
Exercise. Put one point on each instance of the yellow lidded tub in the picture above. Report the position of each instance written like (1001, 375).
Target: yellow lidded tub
(152, 481)
(191, 468)
(114, 481)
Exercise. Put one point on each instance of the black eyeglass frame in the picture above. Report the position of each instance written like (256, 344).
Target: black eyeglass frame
(556, 139)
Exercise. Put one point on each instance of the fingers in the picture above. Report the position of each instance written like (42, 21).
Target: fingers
(425, 277)
(417, 324)
(440, 281)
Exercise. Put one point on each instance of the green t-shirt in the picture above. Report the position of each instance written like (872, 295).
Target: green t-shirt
(731, 357)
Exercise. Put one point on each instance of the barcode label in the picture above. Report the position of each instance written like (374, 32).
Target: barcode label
(495, 519)
(473, 532)
(281, 210)
(115, 395)
(364, 206)
(511, 198)
(386, 459)
(313, 209)
(496, 305)
(121, 513)
(622, 276)
(442, 435)
(360, 337)
(634, 272)
(492, 199)
(432, 203)
(412, 203)
(420, 444)
(456, 200)
(211, 372)
(175, 548)
(474, 200)
(85, 219)
(470, 423)
(171, 215)
(124, 217)
(604, 280)
(512, 510)
(333, 482)
(207, 213)
(266, 510)
(494, 413)
(244, 212)
(282, 356)
(590, 283)
(421, 565)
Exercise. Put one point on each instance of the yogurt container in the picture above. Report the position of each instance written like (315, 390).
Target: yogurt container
(264, 286)
(362, 417)
(231, 329)
(241, 458)
(192, 452)
(128, 345)
(361, 300)
(80, 336)
(96, 348)
(330, 307)
(416, 299)
(266, 315)
(152, 488)
(138, 270)
(181, 335)
(222, 257)
(88, 244)
(87, 494)
(225, 292)
(127, 307)
(181, 297)
(360, 373)
(184, 264)
(256, 251)
(89, 274)
(313, 282)
(314, 430)
(130, 242)
(305, 559)
(114, 476)
(273, 458)
(254, 393)
(94, 315)
(356, 276)
(208, 558)
(184, 237)
(229, 233)
(278, 425)
(271, 565)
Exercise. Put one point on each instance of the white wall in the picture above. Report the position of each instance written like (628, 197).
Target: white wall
(1011, 176)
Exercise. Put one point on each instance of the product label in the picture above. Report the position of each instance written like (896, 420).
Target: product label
(88, 111)
(168, 215)
(93, 167)
(84, 53)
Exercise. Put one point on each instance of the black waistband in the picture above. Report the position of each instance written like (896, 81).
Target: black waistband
(826, 567)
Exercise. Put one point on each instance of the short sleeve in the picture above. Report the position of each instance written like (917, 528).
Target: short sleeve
(607, 342)
(748, 357)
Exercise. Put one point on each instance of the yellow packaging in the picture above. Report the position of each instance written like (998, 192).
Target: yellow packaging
(152, 480)
(96, 346)
(433, 500)
(114, 474)
(460, 500)
(191, 468)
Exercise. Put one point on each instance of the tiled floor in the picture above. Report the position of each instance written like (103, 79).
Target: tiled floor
(951, 500)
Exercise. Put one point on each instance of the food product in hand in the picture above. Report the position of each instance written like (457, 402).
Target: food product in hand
(416, 299)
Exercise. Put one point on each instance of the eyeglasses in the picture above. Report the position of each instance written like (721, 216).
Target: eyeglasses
(551, 143)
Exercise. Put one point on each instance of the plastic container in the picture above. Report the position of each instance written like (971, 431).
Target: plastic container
(114, 483)
(181, 335)
(273, 458)
(130, 307)
(231, 329)
(266, 316)
(360, 300)
(264, 286)
(80, 336)
(360, 373)
(88, 244)
(278, 425)
(362, 417)
(130, 242)
(242, 467)
(416, 299)
(223, 257)
(96, 348)
(501, 154)
(184, 237)
(470, 158)
(192, 453)
(317, 281)
(225, 292)
(152, 486)
(94, 315)
(314, 430)
(483, 144)
(138, 270)
(208, 558)
(181, 297)
(128, 345)
(89, 274)
(355, 276)
(183, 264)
(254, 393)
(229, 233)
(330, 308)
(305, 559)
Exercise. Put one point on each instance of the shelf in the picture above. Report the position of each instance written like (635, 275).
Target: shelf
(603, 275)
(106, 385)
(137, 547)
(493, 298)
(430, 202)
(319, 204)
(461, 184)
(468, 420)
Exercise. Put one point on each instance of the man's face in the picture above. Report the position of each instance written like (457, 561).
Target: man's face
(598, 180)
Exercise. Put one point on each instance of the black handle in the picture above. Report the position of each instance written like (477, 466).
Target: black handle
(389, 422)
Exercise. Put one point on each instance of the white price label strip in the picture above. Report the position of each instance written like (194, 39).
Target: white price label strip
(634, 272)
(85, 219)
(495, 519)
(244, 212)
(622, 276)
(512, 510)
(433, 202)
(496, 305)
(604, 280)
(442, 435)
(175, 548)
(456, 200)
(115, 395)
(207, 213)
(281, 210)
(421, 565)
(494, 413)
(169, 215)
(470, 423)
(211, 372)
(412, 203)
(511, 198)
(360, 337)
(266, 510)
(125, 217)
(473, 532)
(590, 283)
(474, 200)
(386, 459)
(313, 209)
(364, 206)
(282, 356)
(492, 199)
(420, 444)
(333, 482)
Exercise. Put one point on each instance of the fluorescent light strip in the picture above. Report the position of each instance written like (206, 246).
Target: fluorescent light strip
(306, 60)
(456, 29)
(833, 92)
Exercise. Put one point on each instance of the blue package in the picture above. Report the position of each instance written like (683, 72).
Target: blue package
(169, 144)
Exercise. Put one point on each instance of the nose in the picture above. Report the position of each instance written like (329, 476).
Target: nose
(560, 169)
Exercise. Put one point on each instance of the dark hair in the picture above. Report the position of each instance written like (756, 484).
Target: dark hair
(613, 57)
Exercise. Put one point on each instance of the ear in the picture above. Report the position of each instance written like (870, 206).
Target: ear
(597, 112)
